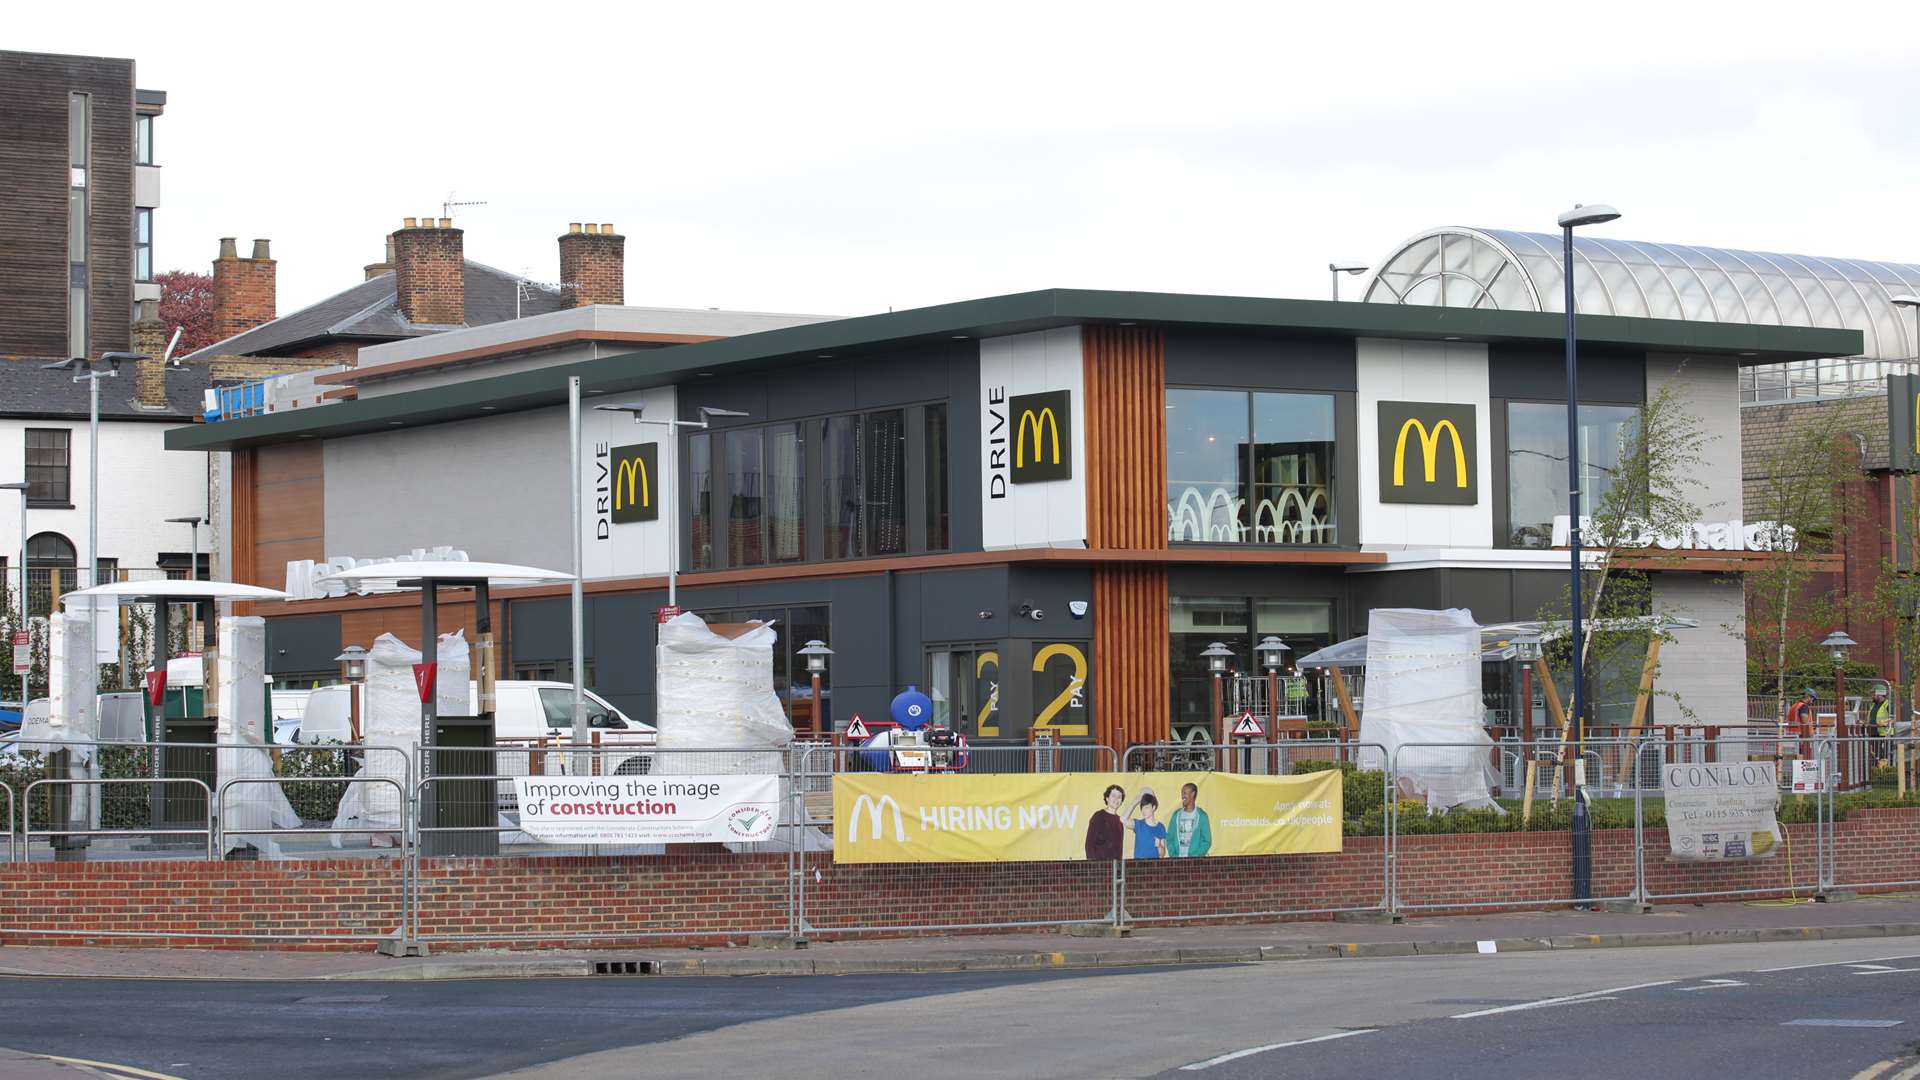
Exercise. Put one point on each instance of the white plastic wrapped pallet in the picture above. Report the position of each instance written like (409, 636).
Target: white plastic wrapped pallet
(718, 692)
(452, 693)
(73, 687)
(1423, 687)
(240, 670)
(392, 719)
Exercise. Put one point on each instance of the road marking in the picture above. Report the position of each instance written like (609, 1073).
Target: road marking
(1843, 1023)
(1560, 1000)
(1252, 1050)
(1907, 1073)
(1877, 970)
(1834, 963)
(1872, 967)
(1716, 984)
(1873, 1070)
(118, 1070)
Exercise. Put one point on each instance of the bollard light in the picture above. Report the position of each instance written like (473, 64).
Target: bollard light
(355, 658)
(1838, 645)
(1273, 652)
(1217, 655)
(816, 652)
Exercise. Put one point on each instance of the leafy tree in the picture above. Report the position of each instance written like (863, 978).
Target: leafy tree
(186, 300)
(1798, 490)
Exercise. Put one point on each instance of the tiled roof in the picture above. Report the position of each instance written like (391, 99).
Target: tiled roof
(371, 310)
(29, 390)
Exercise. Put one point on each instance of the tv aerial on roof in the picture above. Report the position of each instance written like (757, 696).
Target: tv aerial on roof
(448, 204)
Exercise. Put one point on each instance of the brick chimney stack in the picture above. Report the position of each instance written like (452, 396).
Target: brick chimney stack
(150, 336)
(593, 265)
(243, 289)
(430, 272)
(385, 266)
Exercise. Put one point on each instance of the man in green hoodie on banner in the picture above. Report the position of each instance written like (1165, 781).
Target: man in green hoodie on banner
(1188, 833)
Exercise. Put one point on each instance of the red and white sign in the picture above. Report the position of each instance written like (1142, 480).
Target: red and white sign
(858, 729)
(1247, 727)
(423, 677)
(157, 687)
(22, 653)
(670, 611)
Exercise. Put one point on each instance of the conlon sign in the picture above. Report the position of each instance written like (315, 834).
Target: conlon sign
(1730, 535)
(311, 580)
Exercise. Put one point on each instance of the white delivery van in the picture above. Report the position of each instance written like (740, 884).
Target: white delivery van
(525, 712)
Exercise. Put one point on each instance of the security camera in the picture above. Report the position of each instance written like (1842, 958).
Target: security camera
(1036, 615)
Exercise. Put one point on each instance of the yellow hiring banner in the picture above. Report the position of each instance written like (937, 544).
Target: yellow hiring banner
(904, 817)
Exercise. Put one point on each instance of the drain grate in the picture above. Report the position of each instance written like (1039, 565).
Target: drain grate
(623, 967)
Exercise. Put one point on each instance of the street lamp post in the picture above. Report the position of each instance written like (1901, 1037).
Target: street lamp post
(1838, 645)
(353, 663)
(1582, 824)
(193, 572)
(88, 372)
(816, 652)
(1217, 655)
(1336, 269)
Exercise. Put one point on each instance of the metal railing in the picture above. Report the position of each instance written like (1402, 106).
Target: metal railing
(793, 885)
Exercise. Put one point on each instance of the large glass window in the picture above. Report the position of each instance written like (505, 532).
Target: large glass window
(1537, 464)
(49, 467)
(51, 568)
(1250, 468)
(143, 244)
(964, 683)
(746, 507)
(786, 494)
(1239, 623)
(883, 482)
(79, 153)
(143, 139)
(938, 525)
(700, 477)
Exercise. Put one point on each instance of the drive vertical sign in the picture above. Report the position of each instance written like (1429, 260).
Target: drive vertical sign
(1032, 402)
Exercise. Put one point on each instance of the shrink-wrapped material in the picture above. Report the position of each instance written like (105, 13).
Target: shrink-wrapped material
(1423, 687)
(392, 719)
(451, 696)
(241, 670)
(718, 692)
(73, 686)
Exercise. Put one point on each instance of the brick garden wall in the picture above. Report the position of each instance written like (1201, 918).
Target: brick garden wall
(701, 898)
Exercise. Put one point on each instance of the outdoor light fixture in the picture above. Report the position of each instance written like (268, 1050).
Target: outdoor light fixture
(1582, 845)
(816, 652)
(355, 658)
(1272, 652)
(1526, 650)
(85, 371)
(1343, 268)
(1838, 645)
(1217, 655)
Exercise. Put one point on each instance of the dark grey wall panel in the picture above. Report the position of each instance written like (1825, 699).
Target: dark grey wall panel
(302, 644)
(1533, 371)
(1200, 358)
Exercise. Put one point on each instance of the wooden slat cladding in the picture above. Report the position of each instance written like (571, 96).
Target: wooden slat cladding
(242, 535)
(289, 508)
(1130, 655)
(1126, 377)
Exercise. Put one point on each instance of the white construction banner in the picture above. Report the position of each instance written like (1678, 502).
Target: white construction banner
(1721, 812)
(648, 809)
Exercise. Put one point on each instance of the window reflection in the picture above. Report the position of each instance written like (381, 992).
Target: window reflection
(1537, 464)
(1250, 468)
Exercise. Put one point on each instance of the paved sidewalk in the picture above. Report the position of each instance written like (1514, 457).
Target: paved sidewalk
(1889, 916)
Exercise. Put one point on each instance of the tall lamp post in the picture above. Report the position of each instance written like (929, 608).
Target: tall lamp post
(1904, 711)
(88, 371)
(1273, 656)
(193, 572)
(816, 652)
(1838, 645)
(1336, 269)
(1594, 214)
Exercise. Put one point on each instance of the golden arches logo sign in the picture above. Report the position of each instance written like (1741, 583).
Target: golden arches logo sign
(636, 473)
(1042, 437)
(1440, 439)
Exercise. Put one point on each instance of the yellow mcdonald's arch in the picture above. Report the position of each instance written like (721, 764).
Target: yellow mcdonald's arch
(632, 469)
(1040, 422)
(1429, 450)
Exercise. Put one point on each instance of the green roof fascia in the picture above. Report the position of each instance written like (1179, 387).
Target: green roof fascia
(1012, 314)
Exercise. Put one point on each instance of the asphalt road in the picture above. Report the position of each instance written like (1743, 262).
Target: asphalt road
(1651, 1013)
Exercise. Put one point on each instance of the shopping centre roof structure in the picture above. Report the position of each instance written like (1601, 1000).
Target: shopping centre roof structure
(1499, 269)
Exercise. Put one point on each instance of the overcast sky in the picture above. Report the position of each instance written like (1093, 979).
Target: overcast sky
(846, 158)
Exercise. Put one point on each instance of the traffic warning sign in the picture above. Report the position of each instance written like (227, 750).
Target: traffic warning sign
(1247, 727)
(858, 729)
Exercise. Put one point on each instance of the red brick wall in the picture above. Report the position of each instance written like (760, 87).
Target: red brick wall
(594, 263)
(243, 290)
(700, 898)
(430, 273)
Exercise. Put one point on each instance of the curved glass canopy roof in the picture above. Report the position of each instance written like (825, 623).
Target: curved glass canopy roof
(1499, 268)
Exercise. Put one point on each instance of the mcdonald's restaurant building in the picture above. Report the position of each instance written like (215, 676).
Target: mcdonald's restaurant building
(1040, 508)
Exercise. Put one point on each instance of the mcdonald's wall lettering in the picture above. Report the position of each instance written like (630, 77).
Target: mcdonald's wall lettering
(636, 483)
(1428, 453)
(1042, 437)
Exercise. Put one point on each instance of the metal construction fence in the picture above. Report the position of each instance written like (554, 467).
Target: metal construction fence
(1411, 816)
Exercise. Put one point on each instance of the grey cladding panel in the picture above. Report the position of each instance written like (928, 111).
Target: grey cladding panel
(1540, 372)
(1199, 358)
